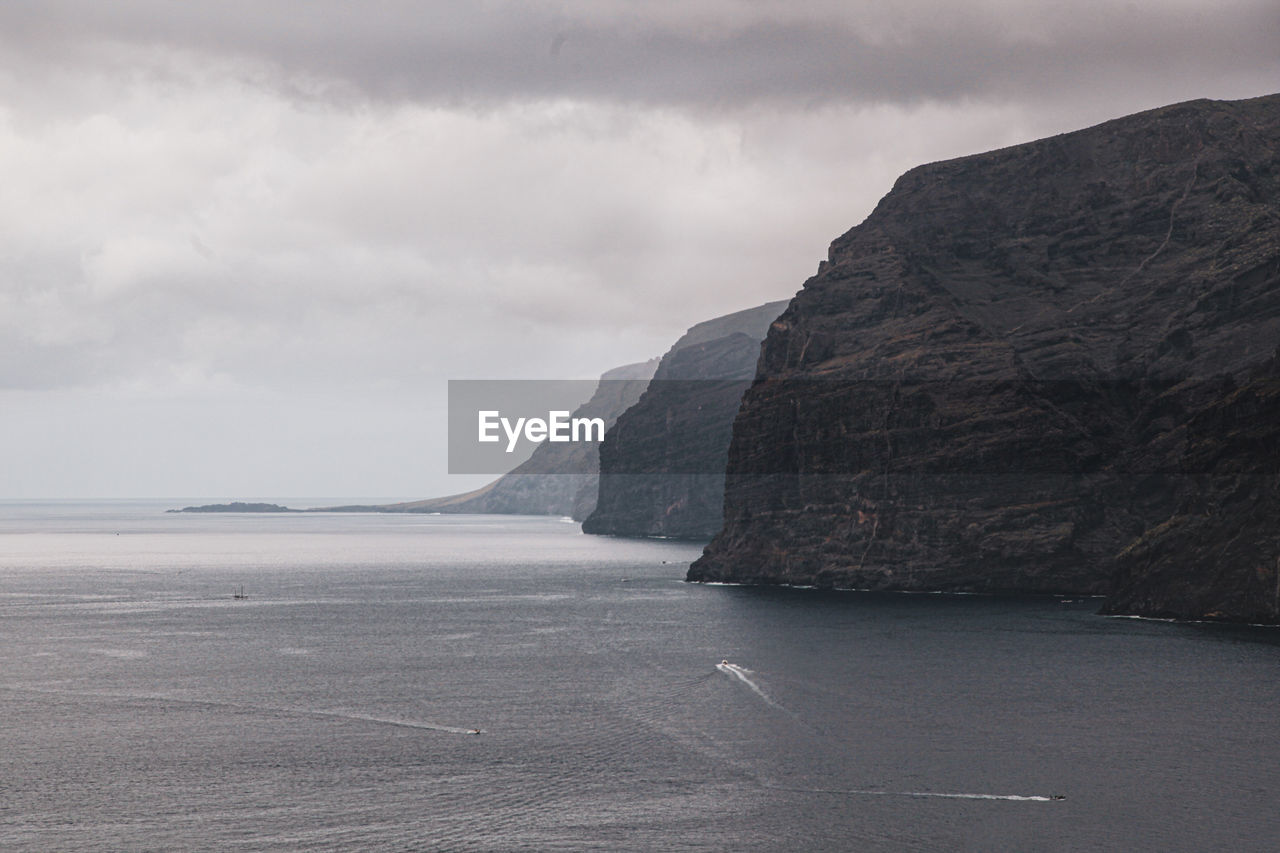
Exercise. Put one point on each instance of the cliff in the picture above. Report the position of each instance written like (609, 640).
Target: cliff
(996, 380)
(1217, 555)
(662, 464)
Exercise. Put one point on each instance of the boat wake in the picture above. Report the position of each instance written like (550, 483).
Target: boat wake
(387, 721)
(734, 671)
(131, 696)
(743, 675)
(870, 792)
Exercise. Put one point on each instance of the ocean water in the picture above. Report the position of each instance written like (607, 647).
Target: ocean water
(142, 707)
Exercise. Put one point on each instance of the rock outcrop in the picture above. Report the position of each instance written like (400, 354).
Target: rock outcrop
(995, 382)
(662, 464)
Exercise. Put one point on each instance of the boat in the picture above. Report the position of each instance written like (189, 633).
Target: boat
(240, 594)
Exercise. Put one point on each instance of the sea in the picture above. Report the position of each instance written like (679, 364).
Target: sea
(499, 683)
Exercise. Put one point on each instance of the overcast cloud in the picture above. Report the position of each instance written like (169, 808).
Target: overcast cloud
(244, 245)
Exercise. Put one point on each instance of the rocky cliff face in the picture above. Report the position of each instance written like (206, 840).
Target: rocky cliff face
(1217, 555)
(990, 382)
(662, 464)
(559, 478)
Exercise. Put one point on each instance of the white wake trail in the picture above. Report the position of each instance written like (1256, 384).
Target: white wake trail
(1033, 798)
(741, 674)
(867, 792)
(387, 721)
(241, 706)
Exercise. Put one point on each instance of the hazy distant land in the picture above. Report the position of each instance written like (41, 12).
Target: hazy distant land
(237, 506)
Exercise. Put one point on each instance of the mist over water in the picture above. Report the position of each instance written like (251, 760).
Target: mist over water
(338, 705)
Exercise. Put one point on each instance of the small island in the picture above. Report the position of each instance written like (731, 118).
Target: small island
(236, 506)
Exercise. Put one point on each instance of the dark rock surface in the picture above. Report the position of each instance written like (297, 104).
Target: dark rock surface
(1217, 555)
(987, 384)
(662, 464)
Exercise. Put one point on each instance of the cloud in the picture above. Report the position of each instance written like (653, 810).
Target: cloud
(713, 52)
(283, 243)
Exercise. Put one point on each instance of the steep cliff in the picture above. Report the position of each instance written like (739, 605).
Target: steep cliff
(989, 383)
(662, 464)
(1217, 555)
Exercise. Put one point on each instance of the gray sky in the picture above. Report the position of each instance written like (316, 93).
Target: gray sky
(243, 245)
